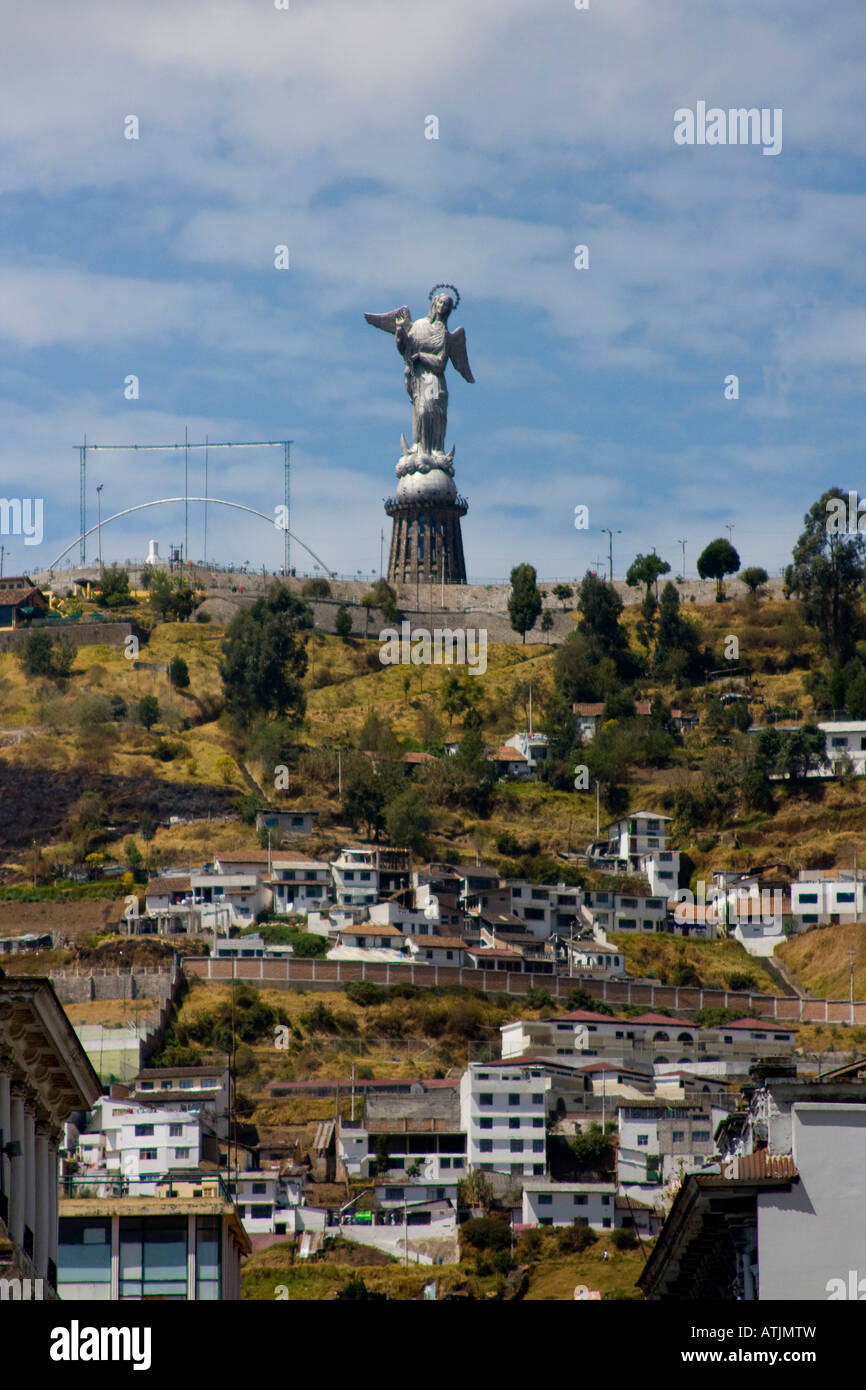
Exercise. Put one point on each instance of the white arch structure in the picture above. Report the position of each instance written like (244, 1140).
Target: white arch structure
(217, 501)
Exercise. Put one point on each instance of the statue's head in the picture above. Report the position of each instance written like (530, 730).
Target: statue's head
(443, 299)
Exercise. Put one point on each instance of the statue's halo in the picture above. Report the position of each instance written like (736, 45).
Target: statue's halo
(452, 288)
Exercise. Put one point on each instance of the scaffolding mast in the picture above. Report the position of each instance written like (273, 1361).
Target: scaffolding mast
(284, 444)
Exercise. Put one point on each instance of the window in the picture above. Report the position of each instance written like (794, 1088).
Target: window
(844, 897)
(537, 1097)
(538, 1122)
(153, 1258)
(628, 902)
(545, 1220)
(445, 1163)
(486, 1146)
(181, 1153)
(486, 1098)
(486, 1122)
(579, 1200)
(393, 1194)
(514, 1122)
(538, 1146)
(516, 1146)
(260, 1211)
(143, 1131)
(605, 1201)
(701, 1136)
(643, 1141)
(175, 1131)
(545, 1199)
(538, 1169)
(606, 1223)
(145, 1085)
(679, 1136)
(513, 1098)
(259, 1188)
(808, 898)
(458, 1163)
(147, 1155)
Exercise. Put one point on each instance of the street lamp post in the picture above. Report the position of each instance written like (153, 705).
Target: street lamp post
(611, 534)
(683, 544)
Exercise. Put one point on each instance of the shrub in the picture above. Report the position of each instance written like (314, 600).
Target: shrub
(365, 993)
(580, 998)
(624, 1239)
(741, 979)
(316, 588)
(487, 1233)
(572, 1240)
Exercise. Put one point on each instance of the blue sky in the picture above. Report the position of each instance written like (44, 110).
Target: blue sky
(603, 387)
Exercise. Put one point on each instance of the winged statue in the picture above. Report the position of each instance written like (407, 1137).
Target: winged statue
(427, 346)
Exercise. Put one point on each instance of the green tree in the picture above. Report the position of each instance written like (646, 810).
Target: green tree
(148, 711)
(114, 587)
(827, 575)
(646, 570)
(754, 579)
(316, 588)
(563, 592)
(265, 657)
(343, 622)
(524, 601)
(178, 673)
(37, 655)
(600, 611)
(161, 590)
(385, 599)
(677, 651)
(409, 820)
(546, 621)
(591, 1148)
(718, 559)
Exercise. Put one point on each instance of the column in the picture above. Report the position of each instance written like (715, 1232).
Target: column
(17, 1166)
(53, 1193)
(5, 1126)
(44, 1182)
(29, 1162)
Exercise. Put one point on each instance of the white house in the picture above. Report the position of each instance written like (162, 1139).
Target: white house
(822, 898)
(845, 738)
(503, 1109)
(569, 1204)
(544, 908)
(657, 1139)
(593, 958)
(299, 884)
(534, 748)
(264, 1201)
(436, 950)
(626, 911)
(355, 877)
(138, 1144)
(637, 834)
(661, 869)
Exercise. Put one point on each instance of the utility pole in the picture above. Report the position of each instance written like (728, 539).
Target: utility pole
(381, 550)
(683, 544)
(353, 1093)
(99, 488)
(597, 820)
(186, 492)
(2, 553)
(851, 982)
(729, 527)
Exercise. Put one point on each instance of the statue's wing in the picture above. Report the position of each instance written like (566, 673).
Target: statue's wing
(457, 353)
(388, 322)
